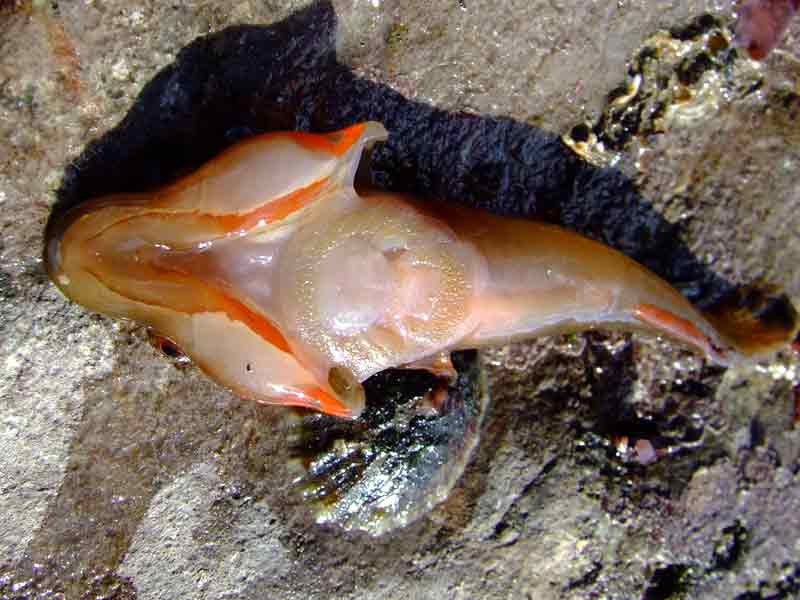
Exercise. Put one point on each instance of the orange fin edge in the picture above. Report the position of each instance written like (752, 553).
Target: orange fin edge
(674, 326)
(334, 142)
(272, 211)
(315, 398)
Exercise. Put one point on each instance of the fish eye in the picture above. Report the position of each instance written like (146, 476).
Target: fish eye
(167, 347)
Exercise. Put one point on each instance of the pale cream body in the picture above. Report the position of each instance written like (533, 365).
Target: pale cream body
(283, 284)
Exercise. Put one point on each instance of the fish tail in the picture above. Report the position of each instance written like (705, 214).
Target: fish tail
(755, 320)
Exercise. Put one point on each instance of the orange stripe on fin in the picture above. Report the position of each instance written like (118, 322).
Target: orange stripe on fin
(310, 396)
(204, 298)
(335, 142)
(325, 401)
(673, 325)
(272, 211)
(237, 311)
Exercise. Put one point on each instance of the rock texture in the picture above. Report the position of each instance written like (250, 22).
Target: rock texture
(609, 465)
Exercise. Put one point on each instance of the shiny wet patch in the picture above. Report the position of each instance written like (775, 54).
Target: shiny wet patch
(400, 459)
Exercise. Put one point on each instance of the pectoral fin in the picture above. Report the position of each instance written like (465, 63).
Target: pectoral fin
(267, 177)
(438, 364)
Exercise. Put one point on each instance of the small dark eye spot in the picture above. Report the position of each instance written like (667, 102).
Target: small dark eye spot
(248, 367)
(168, 348)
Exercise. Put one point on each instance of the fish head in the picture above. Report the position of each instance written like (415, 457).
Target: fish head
(177, 260)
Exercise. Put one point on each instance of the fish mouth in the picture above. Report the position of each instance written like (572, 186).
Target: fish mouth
(57, 225)
(60, 223)
(52, 257)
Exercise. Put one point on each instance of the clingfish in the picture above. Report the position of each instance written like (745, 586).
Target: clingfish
(762, 23)
(283, 284)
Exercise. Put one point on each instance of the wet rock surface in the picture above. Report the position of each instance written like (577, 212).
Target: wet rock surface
(401, 458)
(609, 465)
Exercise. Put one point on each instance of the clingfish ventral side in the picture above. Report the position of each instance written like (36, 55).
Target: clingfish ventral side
(269, 271)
